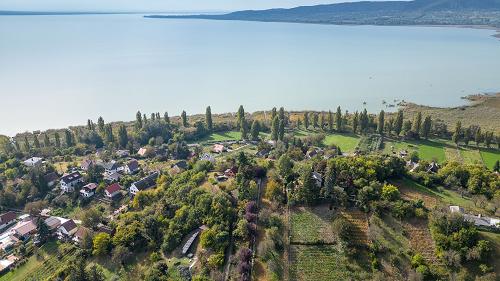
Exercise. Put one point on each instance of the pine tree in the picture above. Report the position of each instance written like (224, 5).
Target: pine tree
(255, 130)
(275, 129)
(58, 139)
(281, 113)
(166, 118)
(100, 124)
(27, 146)
(184, 119)
(398, 124)
(281, 132)
(122, 136)
(138, 122)
(381, 123)
(36, 142)
(355, 122)
(457, 135)
(306, 120)
(338, 119)
(46, 141)
(330, 121)
(417, 124)
(69, 138)
(144, 119)
(426, 127)
(208, 119)
(315, 120)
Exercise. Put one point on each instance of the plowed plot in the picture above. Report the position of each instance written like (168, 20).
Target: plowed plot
(325, 262)
(421, 239)
(312, 225)
(410, 193)
(360, 223)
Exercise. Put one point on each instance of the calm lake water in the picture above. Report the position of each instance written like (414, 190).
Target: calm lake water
(57, 71)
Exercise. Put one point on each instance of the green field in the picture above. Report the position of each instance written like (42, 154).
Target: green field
(490, 156)
(471, 156)
(427, 149)
(494, 238)
(347, 143)
(312, 225)
(324, 262)
(222, 136)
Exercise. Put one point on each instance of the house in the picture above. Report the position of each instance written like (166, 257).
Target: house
(312, 153)
(88, 190)
(178, 167)
(264, 153)
(433, 168)
(218, 148)
(33, 162)
(24, 230)
(53, 223)
(104, 229)
(143, 151)
(7, 263)
(456, 209)
(122, 153)
(145, 183)
(230, 173)
(131, 167)
(412, 166)
(80, 233)
(86, 164)
(68, 228)
(403, 153)
(6, 219)
(112, 190)
(112, 176)
(111, 166)
(318, 178)
(69, 181)
(51, 179)
(207, 157)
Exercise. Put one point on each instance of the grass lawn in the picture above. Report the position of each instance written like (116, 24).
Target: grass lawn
(346, 142)
(495, 243)
(221, 136)
(448, 197)
(490, 156)
(471, 156)
(312, 225)
(323, 262)
(427, 149)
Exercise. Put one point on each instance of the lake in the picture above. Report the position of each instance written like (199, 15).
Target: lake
(57, 71)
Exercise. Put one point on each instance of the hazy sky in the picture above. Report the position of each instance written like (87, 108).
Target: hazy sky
(153, 5)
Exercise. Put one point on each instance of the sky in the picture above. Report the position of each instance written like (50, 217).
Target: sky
(153, 5)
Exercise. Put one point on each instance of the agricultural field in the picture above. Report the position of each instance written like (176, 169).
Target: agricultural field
(323, 262)
(312, 225)
(346, 142)
(421, 240)
(470, 155)
(359, 222)
(371, 143)
(222, 136)
(490, 156)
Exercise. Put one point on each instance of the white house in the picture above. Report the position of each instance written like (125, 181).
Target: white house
(143, 184)
(131, 167)
(207, 157)
(88, 190)
(24, 229)
(112, 176)
(112, 190)
(68, 228)
(111, 166)
(69, 181)
(7, 219)
(33, 162)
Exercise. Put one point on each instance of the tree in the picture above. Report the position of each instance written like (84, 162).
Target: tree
(426, 127)
(166, 118)
(244, 129)
(108, 133)
(101, 244)
(122, 136)
(69, 138)
(58, 139)
(240, 116)
(417, 124)
(273, 113)
(208, 118)
(306, 120)
(457, 135)
(389, 125)
(42, 230)
(478, 137)
(91, 218)
(46, 141)
(275, 129)
(488, 138)
(496, 168)
(381, 123)
(322, 121)
(255, 130)
(95, 274)
(406, 127)
(281, 130)
(184, 119)
(315, 120)
(308, 192)
(355, 122)
(330, 121)
(398, 124)
(390, 192)
(364, 121)
(330, 178)
(36, 142)
(285, 166)
(120, 255)
(338, 119)
(138, 120)
(100, 124)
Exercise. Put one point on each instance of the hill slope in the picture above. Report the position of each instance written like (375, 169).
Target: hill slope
(456, 12)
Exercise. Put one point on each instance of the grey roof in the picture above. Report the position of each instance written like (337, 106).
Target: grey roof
(69, 225)
(133, 165)
(147, 182)
(71, 177)
(181, 164)
(112, 165)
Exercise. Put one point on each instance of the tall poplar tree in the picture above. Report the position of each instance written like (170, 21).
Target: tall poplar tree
(338, 119)
(275, 128)
(398, 124)
(184, 119)
(306, 120)
(208, 118)
(381, 123)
